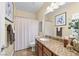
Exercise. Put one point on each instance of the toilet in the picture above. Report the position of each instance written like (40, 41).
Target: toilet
(32, 44)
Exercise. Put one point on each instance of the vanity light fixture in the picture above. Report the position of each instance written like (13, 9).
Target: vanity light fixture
(61, 3)
(48, 10)
(54, 5)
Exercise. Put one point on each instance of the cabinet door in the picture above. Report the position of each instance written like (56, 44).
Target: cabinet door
(39, 51)
(36, 49)
(46, 52)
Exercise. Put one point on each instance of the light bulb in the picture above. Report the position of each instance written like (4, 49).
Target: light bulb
(61, 3)
(48, 8)
(52, 4)
(55, 6)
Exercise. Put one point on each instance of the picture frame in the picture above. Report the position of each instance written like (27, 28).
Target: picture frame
(9, 11)
(60, 19)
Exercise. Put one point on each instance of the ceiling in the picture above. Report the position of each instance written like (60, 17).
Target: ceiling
(29, 6)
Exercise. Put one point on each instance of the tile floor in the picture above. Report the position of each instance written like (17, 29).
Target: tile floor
(24, 52)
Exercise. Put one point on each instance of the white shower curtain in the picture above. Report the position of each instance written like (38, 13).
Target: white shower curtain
(25, 32)
(33, 30)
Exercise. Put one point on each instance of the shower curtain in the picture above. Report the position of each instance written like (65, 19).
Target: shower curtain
(25, 32)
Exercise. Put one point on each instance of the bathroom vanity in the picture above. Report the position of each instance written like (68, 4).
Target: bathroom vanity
(52, 47)
(42, 50)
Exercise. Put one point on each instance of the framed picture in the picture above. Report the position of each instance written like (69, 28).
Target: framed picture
(9, 11)
(61, 19)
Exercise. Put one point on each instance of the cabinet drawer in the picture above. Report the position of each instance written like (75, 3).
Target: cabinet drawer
(46, 51)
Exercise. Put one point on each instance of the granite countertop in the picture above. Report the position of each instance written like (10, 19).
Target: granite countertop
(57, 47)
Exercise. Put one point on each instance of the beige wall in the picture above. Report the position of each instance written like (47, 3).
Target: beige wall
(38, 15)
(26, 14)
(41, 15)
(41, 12)
(70, 9)
(21, 13)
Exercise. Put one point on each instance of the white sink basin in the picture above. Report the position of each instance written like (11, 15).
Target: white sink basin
(44, 39)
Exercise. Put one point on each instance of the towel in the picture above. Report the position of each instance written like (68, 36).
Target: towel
(10, 34)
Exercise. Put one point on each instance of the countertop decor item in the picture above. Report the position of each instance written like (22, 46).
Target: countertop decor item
(66, 41)
(61, 19)
(76, 45)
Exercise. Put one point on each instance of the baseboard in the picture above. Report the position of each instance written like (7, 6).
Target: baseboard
(23, 49)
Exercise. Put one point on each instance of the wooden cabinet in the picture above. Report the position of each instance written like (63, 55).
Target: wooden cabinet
(46, 52)
(41, 50)
(38, 49)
